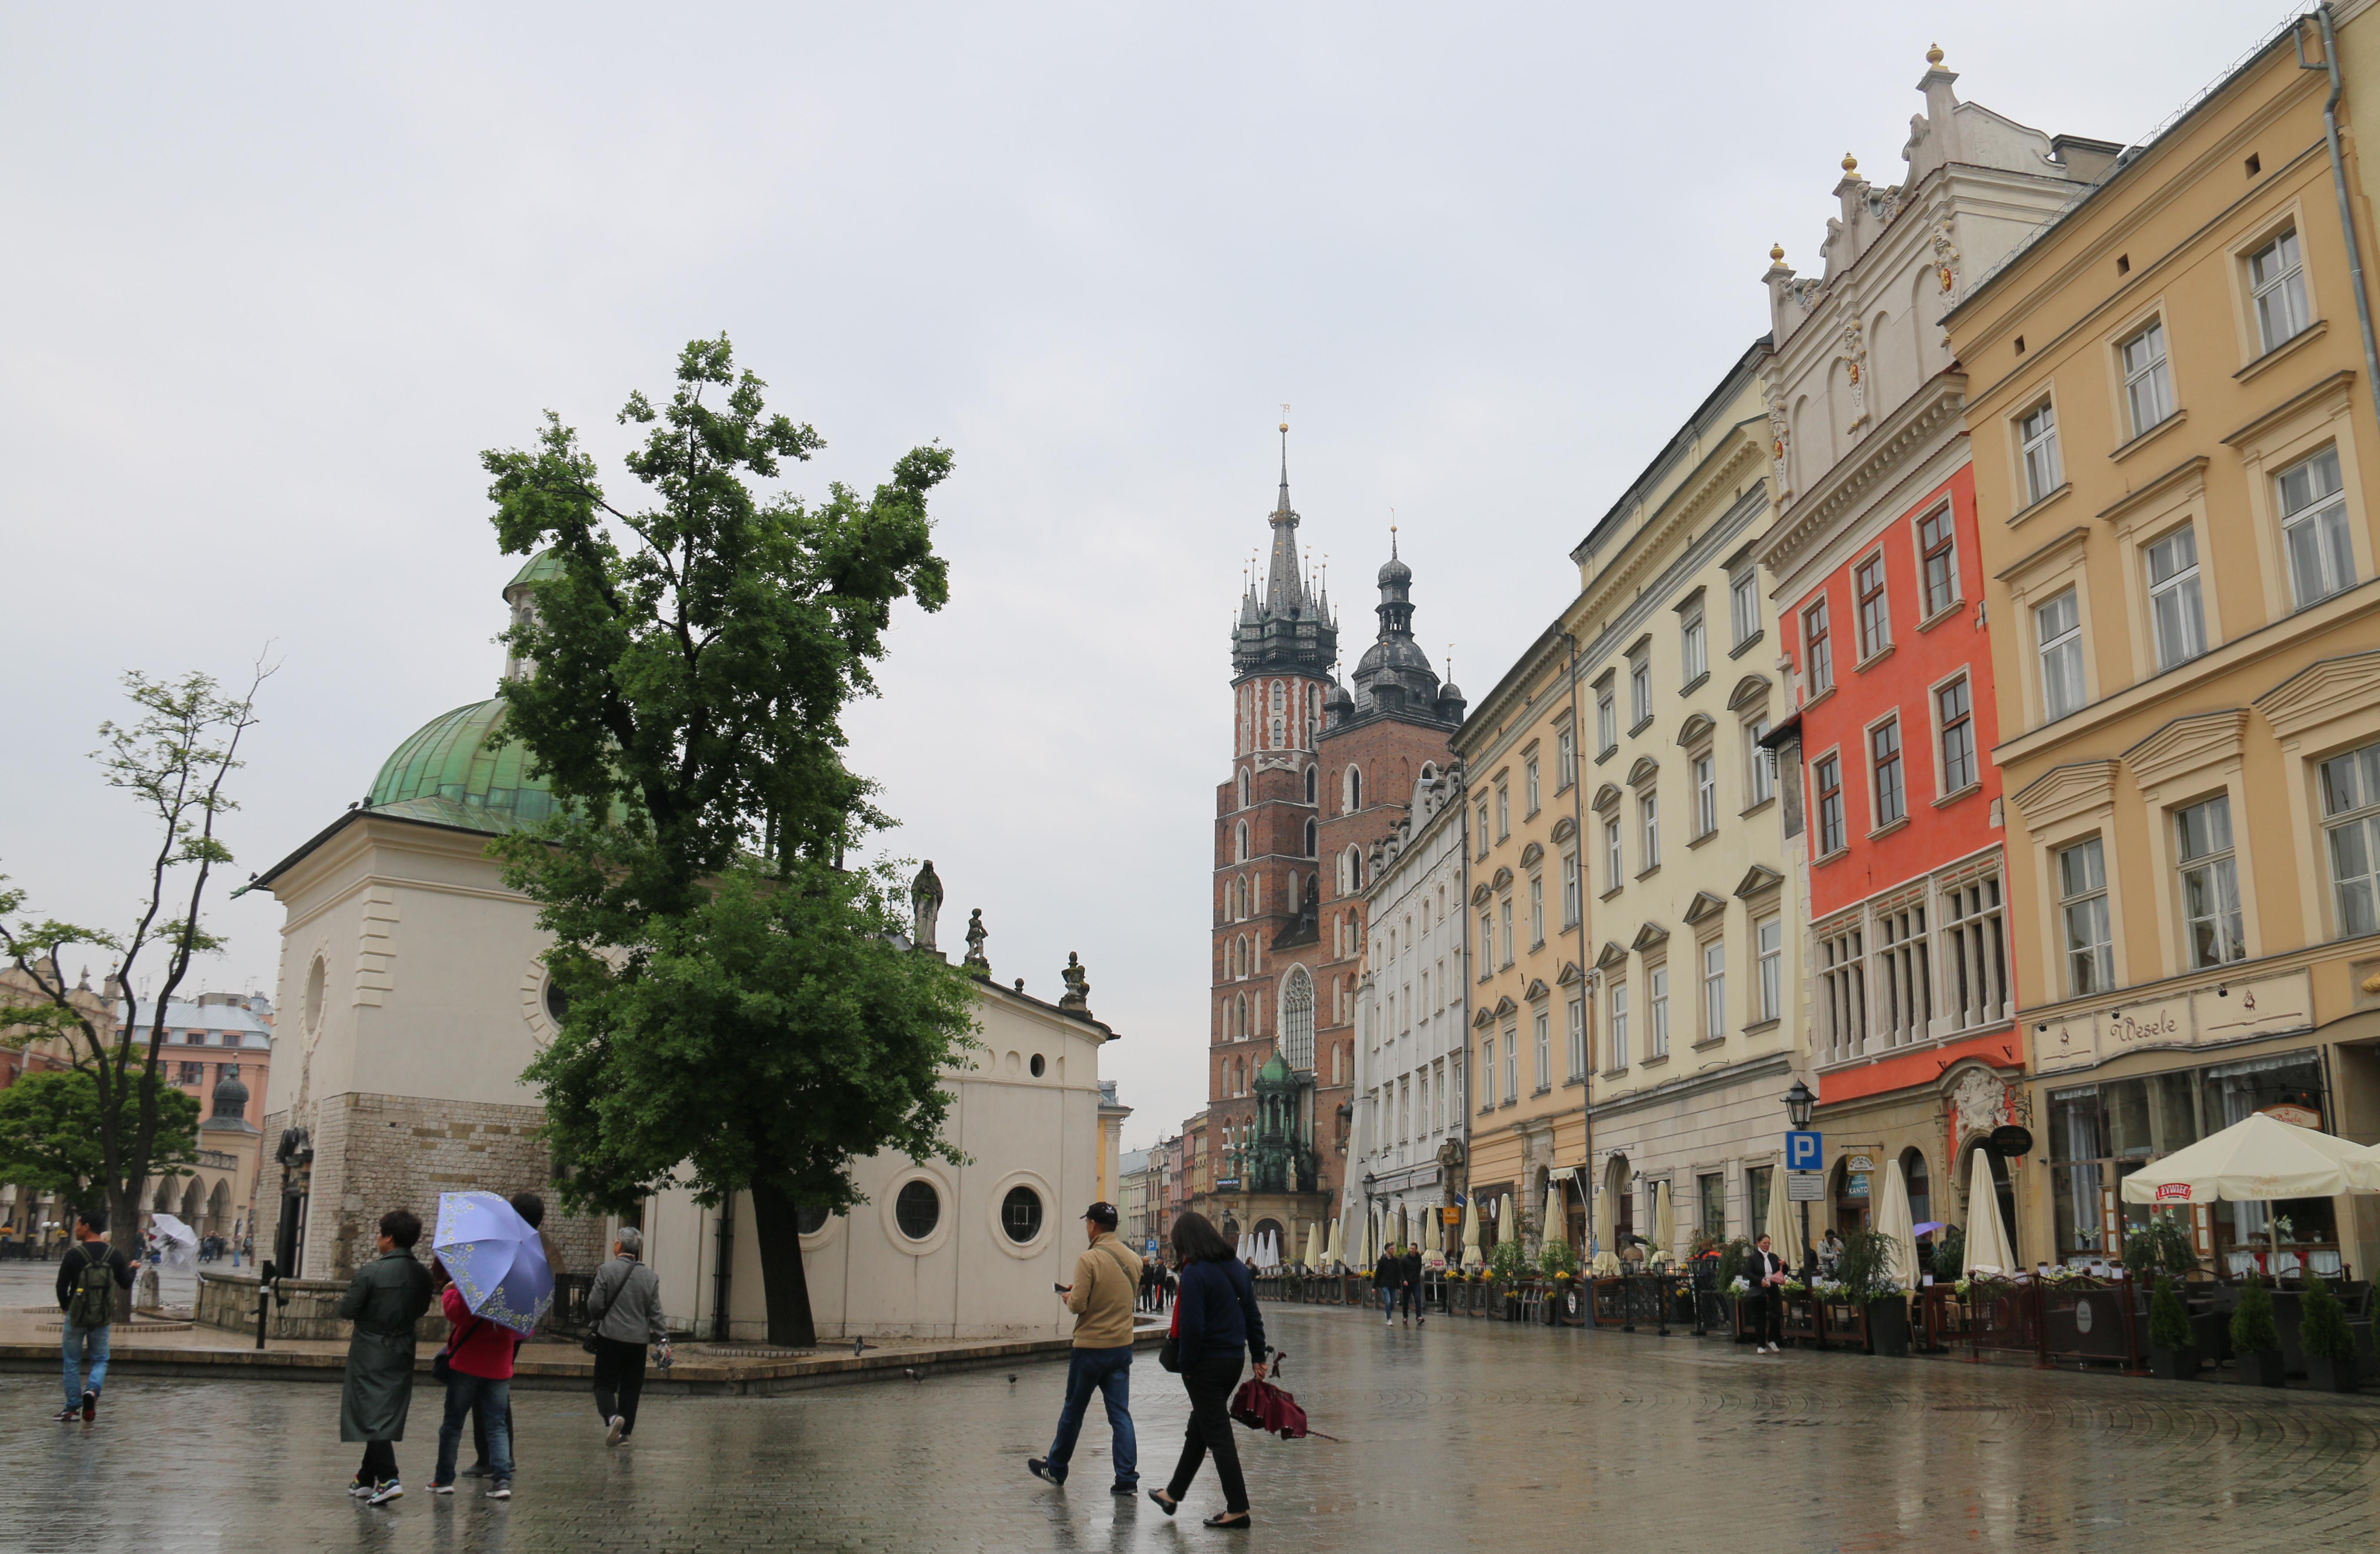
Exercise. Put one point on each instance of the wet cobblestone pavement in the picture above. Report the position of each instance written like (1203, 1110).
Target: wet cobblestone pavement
(1463, 1435)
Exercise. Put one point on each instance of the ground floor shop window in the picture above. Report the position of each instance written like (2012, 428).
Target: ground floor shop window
(1710, 1194)
(1756, 1182)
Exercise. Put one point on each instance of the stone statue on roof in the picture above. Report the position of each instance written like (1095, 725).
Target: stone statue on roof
(1078, 984)
(925, 900)
(976, 961)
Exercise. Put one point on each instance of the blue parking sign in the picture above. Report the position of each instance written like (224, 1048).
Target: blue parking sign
(1802, 1152)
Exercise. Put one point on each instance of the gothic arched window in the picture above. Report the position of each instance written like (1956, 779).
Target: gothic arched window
(1280, 706)
(1313, 775)
(1240, 1015)
(1311, 842)
(1243, 843)
(1297, 1019)
(1351, 797)
(1243, 790)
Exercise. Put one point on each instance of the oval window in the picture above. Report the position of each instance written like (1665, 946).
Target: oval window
(1020, 1213)
(1040, 1066)
(917, 1211)
(810, 1218)
(557, 1002)
(317, 977)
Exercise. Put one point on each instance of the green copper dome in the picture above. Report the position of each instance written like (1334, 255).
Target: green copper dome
(544, 567)
(448, 774)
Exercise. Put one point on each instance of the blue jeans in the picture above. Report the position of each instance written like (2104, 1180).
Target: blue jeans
(1389, 1302)
(492, 1399)
(1108, 1371)
(77, 1341)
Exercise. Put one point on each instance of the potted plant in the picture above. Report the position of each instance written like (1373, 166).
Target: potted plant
(2332, 1362)
(1506, 1263)
(2159, 1249)
(1558, 1261)
(1869, 1280)
(2255, 1340)
(2173, 1351)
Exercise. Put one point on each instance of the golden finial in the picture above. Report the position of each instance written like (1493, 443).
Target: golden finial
(1933, 56)
(1777, 253)
(1850, 163)
(1284, 418)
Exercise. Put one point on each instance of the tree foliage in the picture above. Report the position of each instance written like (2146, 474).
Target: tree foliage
(173, 759)
(50, 1132)
(737, 1016)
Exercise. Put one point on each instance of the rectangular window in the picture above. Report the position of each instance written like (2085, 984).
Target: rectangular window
(1545, 1054)
(1487, 1068)
(2082, 902)
(1714, 990)
(1903, 973)
(2043, 471)
(1578, 1039)
(2148, 386)
(1842, 992)
(1710, 1205)
(1830, 805)
(1484, 835)
(1974, 954)
(1606, 720)
(1656, 1011)
(1763, 761)
(1529, 783)
(1937, 560)
(1422, 1111)
(1565, 759)
(1537, 912)
(1883, 757)
(2058, 625)
(1618, 1025)
(1705, 775)
(1757, 1182)
(2351, 809)
(1487, 946)
(1817, 650)
(231, 1038)
(1648, 814)
(1694, 648)
(1503, 812)
(1640, 689)
(1954, 709)
(1768, 939)
(1511, 1064)
(2210, 882)
(193, 1074)
(2313, 528)
(1743, 607)
(1613, 868)
(1875, 608)
(1572, 905)
(1504, 921)
(2174, 610)
(2276, 278)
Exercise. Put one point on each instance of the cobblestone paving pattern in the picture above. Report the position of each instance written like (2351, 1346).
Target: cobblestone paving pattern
(1465, 1435)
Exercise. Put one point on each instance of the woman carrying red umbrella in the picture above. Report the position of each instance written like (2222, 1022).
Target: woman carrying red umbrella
(1215, 1317)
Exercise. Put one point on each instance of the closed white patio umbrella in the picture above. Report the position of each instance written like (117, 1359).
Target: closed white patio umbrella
(1665, 1223)
(1784, 1225)
(1554, 1228)
(1607, 1260)
(1336, 1252)
(1472, 1257)
(1987, 1248)
(1897, 1224)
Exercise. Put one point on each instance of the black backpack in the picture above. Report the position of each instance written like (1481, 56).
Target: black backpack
(92, 1304)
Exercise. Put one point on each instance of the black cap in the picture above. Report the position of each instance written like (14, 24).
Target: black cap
(1105, 1213)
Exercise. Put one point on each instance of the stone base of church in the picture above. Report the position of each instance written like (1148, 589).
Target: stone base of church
(373, 1153)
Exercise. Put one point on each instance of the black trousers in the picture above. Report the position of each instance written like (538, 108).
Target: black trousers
(380, 1462)
(1409, 1299)
(619, 1381)
(1210, 1383)
(1768, 1324)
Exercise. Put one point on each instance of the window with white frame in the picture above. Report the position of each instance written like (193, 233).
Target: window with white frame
(1536, 910)
(1565, 759)
(1743, 607)
(1640, 687)
(1842, 992)
(1874, 606)
(1903, 973)
(1762, 759)
(1504, 921)
(2350, 814)
(1571, 904)
(1503, 812)
(1488, 1073)
(1607, 720)
(1578, 1039)
(1618, 1025)
(1706, 776)
(2313, 528)
(1511, 1063)
(1656, 1011)
(2210, 882)
(1829, 774)
(2277, 281)
(1884, 761)
(2038, 435)
(1715, 990)
(1974, 954)
(1954, 715)
(1545, 1054)
(1484, 837)
(1693, 645)
(1768, 946)
(1648, 816)
(1486, 945)
(2148, 384)
(2176, 617)
(1529, 784)
(2058, 630)
(2083, 908)
(1937, 560)
(1817, 650)
(1613, 868)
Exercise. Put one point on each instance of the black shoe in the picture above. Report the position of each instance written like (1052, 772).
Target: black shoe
(89, 1407)
(1039, 1468)
(1121, 1487)
(1157, 1496)
(1225, 1519)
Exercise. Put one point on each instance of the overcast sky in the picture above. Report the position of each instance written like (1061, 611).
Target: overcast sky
(274, 278)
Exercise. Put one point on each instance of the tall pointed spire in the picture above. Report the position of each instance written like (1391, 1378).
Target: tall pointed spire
(1287, 626)
(1284, 591)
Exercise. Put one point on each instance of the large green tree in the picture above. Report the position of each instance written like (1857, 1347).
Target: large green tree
(173, 759)
(50, 1134)
(739, 1012)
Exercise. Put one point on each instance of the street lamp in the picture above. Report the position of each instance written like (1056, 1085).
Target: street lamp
(1798, 1103)
(1370, 1182)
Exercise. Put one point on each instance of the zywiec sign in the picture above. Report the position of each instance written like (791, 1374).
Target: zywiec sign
(2293, 1113)
(2211, 1016)
(2173, 1192)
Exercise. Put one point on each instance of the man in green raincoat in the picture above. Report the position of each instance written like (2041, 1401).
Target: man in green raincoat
(388, 1297)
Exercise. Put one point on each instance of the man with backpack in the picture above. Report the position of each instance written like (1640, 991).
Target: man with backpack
(91, 1276)
(1102, 1299)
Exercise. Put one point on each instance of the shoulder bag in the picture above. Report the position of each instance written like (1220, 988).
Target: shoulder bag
(441, 1363)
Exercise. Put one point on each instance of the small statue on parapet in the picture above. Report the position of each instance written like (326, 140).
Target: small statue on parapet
(925, 900)
(1078, 985)
(976, 963)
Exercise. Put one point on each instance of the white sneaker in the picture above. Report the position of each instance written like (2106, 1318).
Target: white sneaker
(385, 1493)
(613, 1431)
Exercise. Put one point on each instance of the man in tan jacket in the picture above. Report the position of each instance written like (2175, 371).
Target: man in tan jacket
(1106, 1277)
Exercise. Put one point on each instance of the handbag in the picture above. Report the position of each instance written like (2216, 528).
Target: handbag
(441, 1364)
(1169, 1353)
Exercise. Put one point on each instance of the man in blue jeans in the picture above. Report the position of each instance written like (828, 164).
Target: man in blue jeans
(95, 1281)
(1106, 1277)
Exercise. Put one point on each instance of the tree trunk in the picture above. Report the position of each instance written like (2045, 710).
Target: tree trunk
(776, 1220)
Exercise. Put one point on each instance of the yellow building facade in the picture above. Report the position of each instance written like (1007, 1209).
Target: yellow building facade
(2174, 450)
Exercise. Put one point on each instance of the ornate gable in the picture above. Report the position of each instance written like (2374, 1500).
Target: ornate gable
(1758, 880)
(1564, 828)
(2320, 692)
(1703, 905)
(2187, 745)
(1644, 771)
(1571, 975)
(1652, 936)
(1535, 991)
(1606, 796)
(1612, 955)
(1697, 729)
(2063, 791)
(1531, 854)
(1749, 691)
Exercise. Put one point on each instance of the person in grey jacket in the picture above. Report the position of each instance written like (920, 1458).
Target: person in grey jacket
(388, 1297)
(625, 1306)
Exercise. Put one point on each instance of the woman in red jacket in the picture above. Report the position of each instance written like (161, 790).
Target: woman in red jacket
(479, 1375)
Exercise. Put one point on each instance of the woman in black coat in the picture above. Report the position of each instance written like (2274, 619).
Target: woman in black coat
(1215, 1317)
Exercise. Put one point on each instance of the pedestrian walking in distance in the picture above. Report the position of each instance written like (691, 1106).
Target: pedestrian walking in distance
(95, 1281)
(1102, 1299)
(625, 1308)
(1409, 1287)
(1766, 1270)
(1215, 1317)
(384, 1300)
(1388, 1278)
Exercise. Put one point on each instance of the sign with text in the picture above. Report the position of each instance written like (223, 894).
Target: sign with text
(1805, 1186)
(2212, 1016)
(1802, 1151)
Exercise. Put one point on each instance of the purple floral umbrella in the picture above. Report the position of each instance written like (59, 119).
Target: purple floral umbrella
(495, 1258)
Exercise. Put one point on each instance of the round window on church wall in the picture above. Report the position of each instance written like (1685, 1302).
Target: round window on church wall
(1040, 1066)
(917, 1211)
(1020, 1214)
(317, 977)
(810, 1218)
(557, 1002)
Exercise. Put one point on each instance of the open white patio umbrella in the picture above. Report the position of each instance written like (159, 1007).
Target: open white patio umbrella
(1607, 1260)
(1665, 1224)
(1987, 1248)
(1472, 1259)
(2258, 1159)
(1897, 1224)
(1784, 1226)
